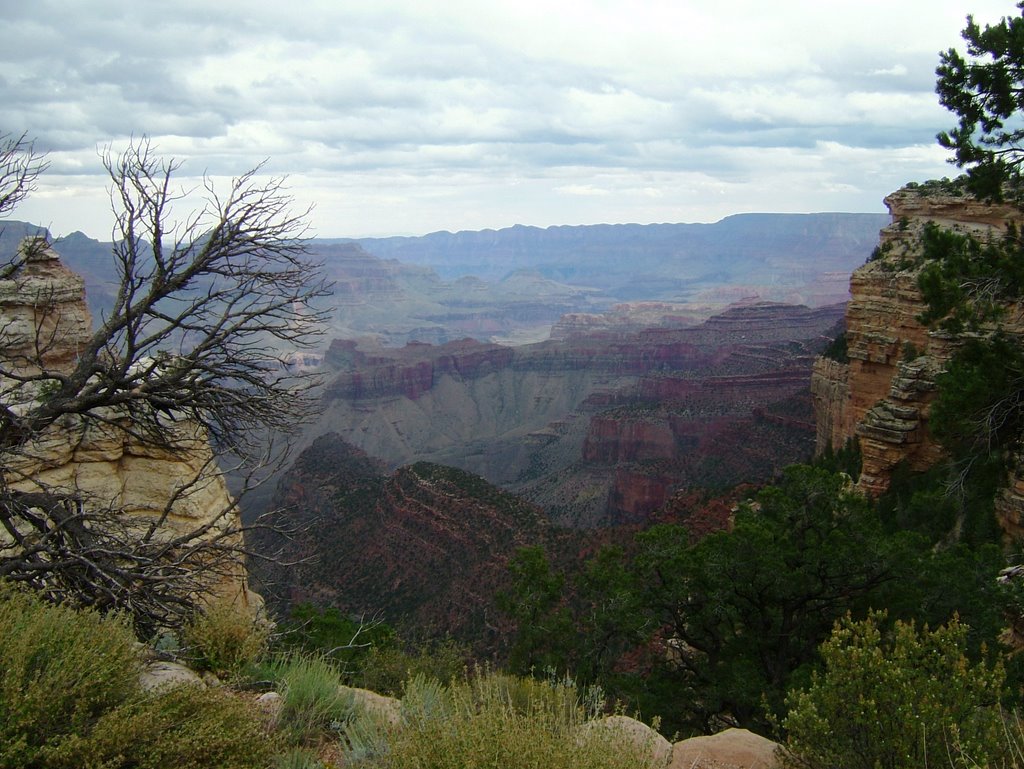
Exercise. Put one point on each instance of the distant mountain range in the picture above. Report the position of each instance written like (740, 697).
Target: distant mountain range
(512, 285)
(628, 262)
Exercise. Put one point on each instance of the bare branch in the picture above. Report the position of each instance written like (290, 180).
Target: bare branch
(20, 166)
(194, 352)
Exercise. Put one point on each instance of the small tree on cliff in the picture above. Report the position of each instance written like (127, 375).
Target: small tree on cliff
(194, 346)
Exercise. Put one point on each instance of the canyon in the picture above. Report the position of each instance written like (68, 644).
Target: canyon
(523, 284)
(597, 428)
(541, 404)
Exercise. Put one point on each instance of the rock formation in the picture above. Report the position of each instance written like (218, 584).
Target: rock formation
(44, 322)
(729, 749)
(882, 394)
(597, 427)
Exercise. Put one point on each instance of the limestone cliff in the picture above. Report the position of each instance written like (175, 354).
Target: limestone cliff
(44, 322)
(882, 394)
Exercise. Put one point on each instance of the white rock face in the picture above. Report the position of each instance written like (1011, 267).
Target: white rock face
(43, 308)
(44, 322)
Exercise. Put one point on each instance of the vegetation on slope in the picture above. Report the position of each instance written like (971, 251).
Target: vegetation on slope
(70, 697)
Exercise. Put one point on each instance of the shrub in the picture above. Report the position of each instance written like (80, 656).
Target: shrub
(70, 697)
(313, 702)
(185, 727)
(896, 701)
(224, 637)
(325, 630)
(489, 721)
(59, 670)
(298, 758)
(387, 668)
(837, 349)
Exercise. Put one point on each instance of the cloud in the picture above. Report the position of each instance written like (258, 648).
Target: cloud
(475, 115)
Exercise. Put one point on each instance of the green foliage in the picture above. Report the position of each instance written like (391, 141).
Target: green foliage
(951, 502)
(59, 671)
(297, 758)
(388, 667)
(346, 641)
(224, 637)
(581, 627)
(535, 600)
(313, 701)
(185, 727)
(901, 700)
(693, 632)
(748, 608)
(978, 410)
(70, 697)
(966, 282)
(846, 460)
(985, 90)
(493, 721)
(836, 349)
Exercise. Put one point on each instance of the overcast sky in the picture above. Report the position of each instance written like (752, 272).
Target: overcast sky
(412, 117)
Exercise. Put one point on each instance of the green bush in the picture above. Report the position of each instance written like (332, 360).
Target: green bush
(837, 349)
(185, 727)
(325, 630)
(59, 671)
(312, 700)
(298, 758)
(224, 637)
(387, 667)
(896, 701)
(70, 697)
(491, 722)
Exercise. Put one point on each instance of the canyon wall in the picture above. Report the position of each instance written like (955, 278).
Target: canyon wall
(599, 426)
(882, 394)
(44, 322)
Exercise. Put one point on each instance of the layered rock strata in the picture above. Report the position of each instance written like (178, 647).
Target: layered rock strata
(882, 395)
(596, 427)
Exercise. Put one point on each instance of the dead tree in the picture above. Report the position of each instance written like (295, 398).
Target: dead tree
(194, 353)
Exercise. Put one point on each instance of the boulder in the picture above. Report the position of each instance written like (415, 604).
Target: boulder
(636, 733)
(270, 704)
(731, 749)
(386, 710)
(161, 673)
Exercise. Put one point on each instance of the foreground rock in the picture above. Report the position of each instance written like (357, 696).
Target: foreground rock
(159, 674)
(731, 749)
(633, 732)
(385, 710)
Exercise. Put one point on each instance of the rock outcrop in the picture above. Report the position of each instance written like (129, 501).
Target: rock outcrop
(653, 747)
(730, 749)
(44, 323)
(883, 393)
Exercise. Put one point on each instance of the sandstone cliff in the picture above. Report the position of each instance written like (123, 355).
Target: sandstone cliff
(44, 322)
(882, 394)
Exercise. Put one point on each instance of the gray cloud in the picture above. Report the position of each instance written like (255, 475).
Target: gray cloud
(465, 114)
